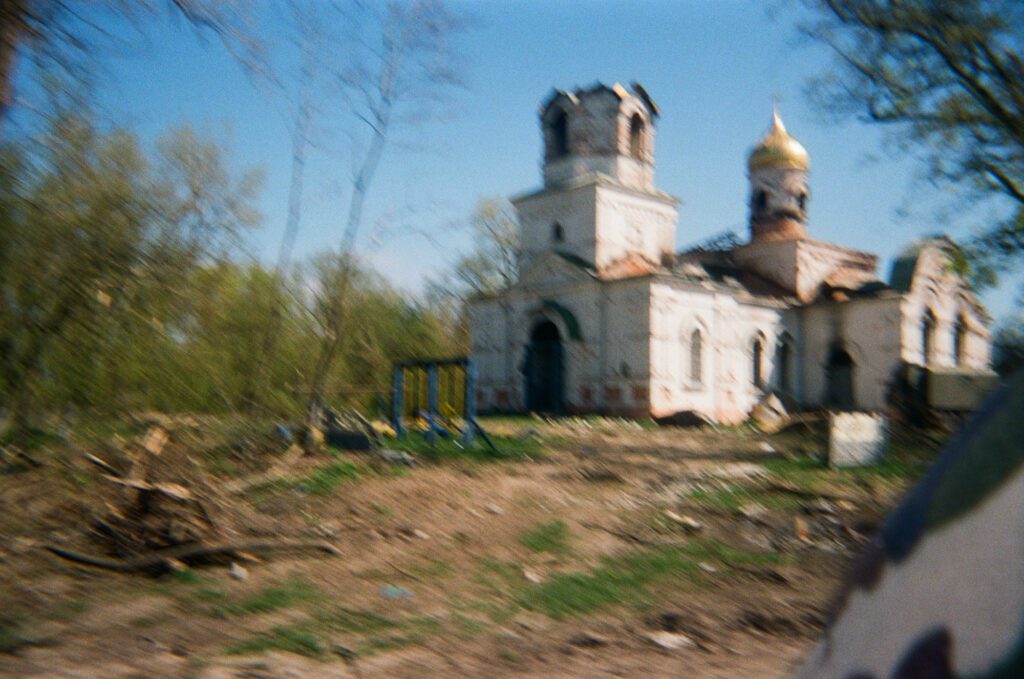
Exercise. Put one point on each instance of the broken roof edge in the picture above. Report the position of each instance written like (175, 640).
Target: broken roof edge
(635, 90)
(904, 265)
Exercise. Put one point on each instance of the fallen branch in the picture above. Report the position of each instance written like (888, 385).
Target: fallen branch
(160, 559)
(280, 471)
(103, 464)
(806, 494)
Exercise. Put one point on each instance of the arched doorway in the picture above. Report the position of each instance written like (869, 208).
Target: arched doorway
(839, 379)
(544, 370)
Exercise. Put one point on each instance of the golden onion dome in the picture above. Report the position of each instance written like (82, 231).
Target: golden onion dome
(778, 149)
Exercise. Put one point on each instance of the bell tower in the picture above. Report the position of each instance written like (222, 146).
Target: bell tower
(601, 130)
(598, 205)
(778, 168)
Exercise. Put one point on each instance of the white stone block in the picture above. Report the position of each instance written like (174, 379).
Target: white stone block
(856, 439)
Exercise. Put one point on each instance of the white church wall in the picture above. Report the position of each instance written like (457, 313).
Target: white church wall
(938, 289)
(574, 210)
(628, 222)
(622, 383)
(605, 370)
(868, 330)
(726, 391)
(873, 327)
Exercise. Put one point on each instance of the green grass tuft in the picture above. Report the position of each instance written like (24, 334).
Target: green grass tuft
(625, 579)
(292, 638)
(327, 478)
(275, 597)
(551, 536)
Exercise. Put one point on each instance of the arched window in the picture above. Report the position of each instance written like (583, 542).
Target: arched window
(927, 337)
(959, 341)
(760, 200)
(801, 202)
(757, 362)
(696, 358)
(636, 137)
(557, 233)
(784, 362)
(560, 135)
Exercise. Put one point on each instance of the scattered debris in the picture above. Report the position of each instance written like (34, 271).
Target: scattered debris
(670, 641)
(163, 560)
(589, 639)
(800, 526)
(395, 456)
(393, 592)
(17, 459)
(755, 511)
(238, 572)
(769, 414)
(532, 576)
(687, 522)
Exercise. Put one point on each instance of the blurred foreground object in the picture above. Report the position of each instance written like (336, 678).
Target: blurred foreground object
(940, 591)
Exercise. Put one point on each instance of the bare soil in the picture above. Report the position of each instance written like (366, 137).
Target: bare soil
(570, 564)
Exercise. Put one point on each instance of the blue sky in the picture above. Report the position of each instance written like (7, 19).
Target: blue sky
(713, 67)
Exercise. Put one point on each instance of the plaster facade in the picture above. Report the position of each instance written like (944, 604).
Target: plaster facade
(607, 317)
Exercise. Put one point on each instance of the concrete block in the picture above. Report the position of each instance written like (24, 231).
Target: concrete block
(856, 439)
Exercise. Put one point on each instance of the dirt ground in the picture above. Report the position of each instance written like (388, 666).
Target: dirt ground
(615, 550)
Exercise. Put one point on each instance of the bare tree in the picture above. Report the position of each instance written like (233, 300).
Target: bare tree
(63, 36)
(948, 77)
(400, 75)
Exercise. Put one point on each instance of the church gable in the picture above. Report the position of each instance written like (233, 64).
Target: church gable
(555, 269)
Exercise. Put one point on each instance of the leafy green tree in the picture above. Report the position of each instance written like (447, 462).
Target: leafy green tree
(948, 76)
(1008, 346)
(97, 243)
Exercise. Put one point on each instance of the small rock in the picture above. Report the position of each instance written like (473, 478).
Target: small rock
(820, 506)
(754, 511)
(532, 621)
(588, 639)
(687, 522)
(766, 447)
(392, 592)
(670, 641)
(343, 652)
(531, 576)
(176, 566)
(529, 433)
(800, 527)
(706, 567)
(495, 509)
(239, 572)
(420, 534)
(395, 457)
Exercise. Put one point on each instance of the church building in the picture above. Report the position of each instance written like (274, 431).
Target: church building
(607, 317)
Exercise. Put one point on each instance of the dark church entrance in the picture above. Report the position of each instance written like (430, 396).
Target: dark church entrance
(839, 380)
(544, 370)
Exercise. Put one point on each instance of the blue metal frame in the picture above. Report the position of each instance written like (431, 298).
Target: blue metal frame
(433, 416)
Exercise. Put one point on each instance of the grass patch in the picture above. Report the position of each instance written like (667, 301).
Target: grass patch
(731, 498)
(355, 621)
(275, 597)
(292, 638)
(625, 579)
(29, 439)
(444, 449)
(326, 479)
(550, 536)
